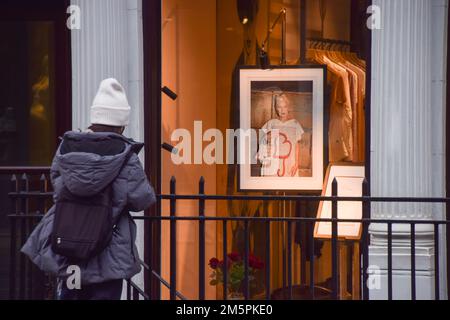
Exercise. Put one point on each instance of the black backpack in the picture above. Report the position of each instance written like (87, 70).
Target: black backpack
(83, 226)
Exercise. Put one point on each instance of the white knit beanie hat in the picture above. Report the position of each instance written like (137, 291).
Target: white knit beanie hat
(110, 106)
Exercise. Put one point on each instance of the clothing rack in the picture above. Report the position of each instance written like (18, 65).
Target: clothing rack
(330, 41)
(333, 41)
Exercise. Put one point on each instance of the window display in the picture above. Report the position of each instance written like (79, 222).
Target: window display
(292, 72)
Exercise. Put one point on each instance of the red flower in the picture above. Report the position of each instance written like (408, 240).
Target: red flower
(214, 263)
(234, 256)
(255, 263)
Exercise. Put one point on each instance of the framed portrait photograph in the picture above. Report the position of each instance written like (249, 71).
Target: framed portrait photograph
(282, 119)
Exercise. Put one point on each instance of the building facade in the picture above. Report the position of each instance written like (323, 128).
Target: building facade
(195, 49)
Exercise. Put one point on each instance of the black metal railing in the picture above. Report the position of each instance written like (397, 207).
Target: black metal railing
(27, 282)
(21, 217)
(31, 197)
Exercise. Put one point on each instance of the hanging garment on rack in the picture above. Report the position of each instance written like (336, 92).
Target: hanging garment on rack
(347, 121)
(341, 116)
(353, 81)
(359, 115)
(340, 132)
(341, 58)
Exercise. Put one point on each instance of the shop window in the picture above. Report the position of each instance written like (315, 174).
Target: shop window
(204, 44)
(27, 108)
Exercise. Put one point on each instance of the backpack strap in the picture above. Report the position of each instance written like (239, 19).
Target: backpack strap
(127, 158)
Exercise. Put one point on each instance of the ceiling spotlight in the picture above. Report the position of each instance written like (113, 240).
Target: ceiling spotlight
(247, 10)
(169, 148)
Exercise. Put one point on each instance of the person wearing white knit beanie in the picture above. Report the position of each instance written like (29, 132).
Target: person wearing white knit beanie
(110, 107)
(97, 179)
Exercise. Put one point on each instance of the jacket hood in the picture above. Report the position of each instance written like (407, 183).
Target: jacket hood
(88, 162)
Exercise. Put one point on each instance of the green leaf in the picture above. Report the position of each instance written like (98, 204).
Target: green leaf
(213, 282)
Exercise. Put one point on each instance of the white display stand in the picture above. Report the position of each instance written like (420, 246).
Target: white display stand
(350, 180)
(350, 183)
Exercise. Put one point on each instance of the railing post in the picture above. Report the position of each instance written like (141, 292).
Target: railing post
(23, 229)
(173, 239)
(46, 279)
(201, 237)
(311, 261)
(42, 209)
(413, 261)
(129, 289)
(389, 264)
(365, 239)
(149, 224)
(268, 242)
(246, 264)
(13, 241)
(225, 259)
(43, 188)
(135, 294)
(289, 259)
(436, 262)
(334, 241)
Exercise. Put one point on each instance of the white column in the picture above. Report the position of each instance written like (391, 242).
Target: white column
(406, 137)
(438, 105)
(109, 44)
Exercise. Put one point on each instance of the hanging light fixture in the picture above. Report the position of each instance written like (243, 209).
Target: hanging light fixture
(263, 55)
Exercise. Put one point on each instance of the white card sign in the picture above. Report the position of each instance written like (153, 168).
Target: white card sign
(350, 180)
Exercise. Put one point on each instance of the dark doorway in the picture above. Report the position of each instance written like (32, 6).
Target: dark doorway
(35, 86)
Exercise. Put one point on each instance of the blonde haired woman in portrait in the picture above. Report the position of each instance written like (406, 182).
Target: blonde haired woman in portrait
(279, 151)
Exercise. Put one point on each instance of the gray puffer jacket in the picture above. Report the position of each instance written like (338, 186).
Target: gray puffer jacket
(86, 163)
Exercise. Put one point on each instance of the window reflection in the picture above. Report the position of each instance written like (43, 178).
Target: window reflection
(27, 121)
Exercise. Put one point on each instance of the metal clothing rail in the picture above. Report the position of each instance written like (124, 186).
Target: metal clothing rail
(331, 41)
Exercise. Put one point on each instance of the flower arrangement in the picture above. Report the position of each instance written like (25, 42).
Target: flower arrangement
(236, 272)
